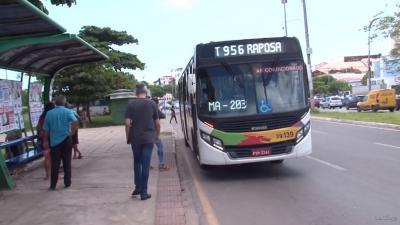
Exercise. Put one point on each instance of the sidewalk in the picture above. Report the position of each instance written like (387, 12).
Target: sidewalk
(101, 187)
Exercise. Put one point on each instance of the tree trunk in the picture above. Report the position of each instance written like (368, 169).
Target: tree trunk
(77, 108)
(88, 112)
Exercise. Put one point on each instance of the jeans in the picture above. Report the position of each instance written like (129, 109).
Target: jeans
(141, 165)
(160, 151)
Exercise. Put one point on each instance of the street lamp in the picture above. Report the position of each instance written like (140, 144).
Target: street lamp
(369, 49)
(284, 13)
(309, 52)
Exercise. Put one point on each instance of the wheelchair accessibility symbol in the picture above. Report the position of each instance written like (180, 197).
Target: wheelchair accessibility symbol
(265, 106)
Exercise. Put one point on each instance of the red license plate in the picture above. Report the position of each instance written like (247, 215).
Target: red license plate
(261, 152)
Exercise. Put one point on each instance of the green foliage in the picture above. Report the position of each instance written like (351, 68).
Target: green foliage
(329, 85)
(85, 83)
(39, 4)
(380, 117)
(389, 26)
(104, 39)
(159, 91)
(156, 90)
(364, 80)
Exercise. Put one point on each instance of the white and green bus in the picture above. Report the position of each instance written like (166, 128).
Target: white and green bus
(246, 101)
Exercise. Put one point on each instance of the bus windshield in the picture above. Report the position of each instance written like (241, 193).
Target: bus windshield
(252, 88)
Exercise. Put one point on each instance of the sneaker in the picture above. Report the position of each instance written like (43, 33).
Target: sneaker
(135, 192)
(145, 197)
(163, 167)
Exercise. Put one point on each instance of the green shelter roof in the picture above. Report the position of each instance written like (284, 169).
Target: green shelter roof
(19, 17)
(31, 42)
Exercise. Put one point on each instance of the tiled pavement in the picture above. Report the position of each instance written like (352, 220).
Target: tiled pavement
(169, 208)
(101, 188)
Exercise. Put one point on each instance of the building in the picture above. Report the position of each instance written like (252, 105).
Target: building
(170, 78)
(387, 72)
(349, 68)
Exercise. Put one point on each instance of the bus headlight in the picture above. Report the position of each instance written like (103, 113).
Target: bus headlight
(206, 137)
(300, 135)
(303, 132)
(215, 142)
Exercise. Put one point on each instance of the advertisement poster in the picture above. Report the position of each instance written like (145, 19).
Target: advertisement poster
(10, 105)
(35, 102)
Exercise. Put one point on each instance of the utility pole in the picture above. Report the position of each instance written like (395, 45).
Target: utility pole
(309, 52)
(284, 13)
(369, 49)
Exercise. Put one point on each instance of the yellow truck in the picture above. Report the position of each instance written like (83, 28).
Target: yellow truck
(381, 99)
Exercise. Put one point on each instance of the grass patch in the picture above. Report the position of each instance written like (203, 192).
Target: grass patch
(379, 117)
(100, 121)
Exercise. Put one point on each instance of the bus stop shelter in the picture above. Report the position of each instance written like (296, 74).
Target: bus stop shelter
(34, 44)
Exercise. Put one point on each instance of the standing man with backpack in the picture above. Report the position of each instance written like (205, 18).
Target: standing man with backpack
(142, 128)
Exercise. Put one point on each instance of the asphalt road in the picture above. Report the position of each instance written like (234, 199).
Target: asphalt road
(352, 177)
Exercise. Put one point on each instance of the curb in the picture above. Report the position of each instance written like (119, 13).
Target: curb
(371, 124)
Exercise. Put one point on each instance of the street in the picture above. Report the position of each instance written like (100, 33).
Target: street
(352, 178)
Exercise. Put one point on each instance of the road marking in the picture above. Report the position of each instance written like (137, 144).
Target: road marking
(318, 131)
(358, 125)
(327, 163)
(205, 203)
(386, 145)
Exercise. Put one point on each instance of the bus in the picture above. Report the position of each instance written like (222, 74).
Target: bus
(246, 101)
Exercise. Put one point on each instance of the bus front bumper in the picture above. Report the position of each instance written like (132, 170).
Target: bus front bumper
(212, 156)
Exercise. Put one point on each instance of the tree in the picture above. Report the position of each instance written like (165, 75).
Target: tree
(329, 85)
(39, 4)
(389, 26)
(85, 83)
(156, 91)
(364, 80)
(337, 86)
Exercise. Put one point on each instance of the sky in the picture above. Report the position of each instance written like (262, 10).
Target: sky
(168, 30)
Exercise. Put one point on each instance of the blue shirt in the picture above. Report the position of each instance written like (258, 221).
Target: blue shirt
(58, 124)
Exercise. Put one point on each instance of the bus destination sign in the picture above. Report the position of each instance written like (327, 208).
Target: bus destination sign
(262, 48)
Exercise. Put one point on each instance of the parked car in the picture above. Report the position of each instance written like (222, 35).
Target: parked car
(351, 101)
(398, 102)
(323, 102)
(378, 99)
(334, 102)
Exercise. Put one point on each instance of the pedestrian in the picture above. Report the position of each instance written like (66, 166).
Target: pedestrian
(75, 140)
(159, 144)
(41, 133)
(173, 115)
(57, 124)
(142, 127)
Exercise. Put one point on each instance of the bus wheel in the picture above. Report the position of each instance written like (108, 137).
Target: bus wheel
(280, 161)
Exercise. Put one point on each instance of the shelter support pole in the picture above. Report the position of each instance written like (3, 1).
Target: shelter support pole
(29, 107)
(20, 127)
(48, 89)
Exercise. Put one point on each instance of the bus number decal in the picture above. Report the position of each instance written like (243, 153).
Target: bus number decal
(238, 104)
(286, 134)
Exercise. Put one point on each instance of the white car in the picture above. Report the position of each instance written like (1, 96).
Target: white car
(334, 102)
